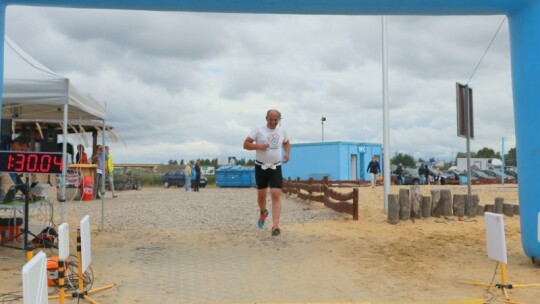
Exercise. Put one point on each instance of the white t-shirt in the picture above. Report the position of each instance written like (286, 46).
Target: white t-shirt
(275, 138)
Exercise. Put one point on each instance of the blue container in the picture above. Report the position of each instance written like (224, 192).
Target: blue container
(463, 180)
(235, 176)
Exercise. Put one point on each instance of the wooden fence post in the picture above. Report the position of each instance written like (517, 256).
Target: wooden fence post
(436, 204)
(459, 205)
(499, 202)
(356, 199)
(471, 205)
(446, 200)
(426, 206)
(416, 197)
(404, 204)
(393, 209)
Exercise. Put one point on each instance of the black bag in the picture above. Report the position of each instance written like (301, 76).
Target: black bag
(46, 238)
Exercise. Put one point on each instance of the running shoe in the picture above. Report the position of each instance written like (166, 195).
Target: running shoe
(275, 231)
(262, 218)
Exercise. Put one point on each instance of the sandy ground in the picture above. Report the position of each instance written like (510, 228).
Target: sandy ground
(338, 260)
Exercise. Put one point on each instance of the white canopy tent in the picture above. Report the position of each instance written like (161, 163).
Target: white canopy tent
(32, 91)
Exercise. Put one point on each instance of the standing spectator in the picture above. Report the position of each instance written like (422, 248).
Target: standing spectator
(439, 179)
(188, 174)
(426, 174)
(110, 170)
(101, 169)
(421, 175)
(197, 176)
(268, 141)
(81, 157)
(399, 173)
(374, 169)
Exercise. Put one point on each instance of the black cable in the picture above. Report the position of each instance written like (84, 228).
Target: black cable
(488, 291)
(482, 58)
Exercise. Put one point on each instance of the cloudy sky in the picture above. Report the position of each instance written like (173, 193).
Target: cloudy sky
(191, 85)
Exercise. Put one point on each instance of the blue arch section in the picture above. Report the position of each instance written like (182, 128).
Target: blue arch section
(524, 21)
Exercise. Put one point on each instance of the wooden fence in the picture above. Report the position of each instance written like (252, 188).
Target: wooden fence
(409, 204)
(322, 192)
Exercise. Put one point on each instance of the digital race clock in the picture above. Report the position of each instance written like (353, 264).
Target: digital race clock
(30, 162)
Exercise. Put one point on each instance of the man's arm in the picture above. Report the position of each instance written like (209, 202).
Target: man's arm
(287, 148)
(249, 144)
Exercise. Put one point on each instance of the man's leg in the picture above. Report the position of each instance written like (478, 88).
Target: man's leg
(261, 198)
(111, 184)
(276, 206)
(261, 201)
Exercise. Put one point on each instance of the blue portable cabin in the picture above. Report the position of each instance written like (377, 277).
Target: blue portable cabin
(337, 160)
(235, 176)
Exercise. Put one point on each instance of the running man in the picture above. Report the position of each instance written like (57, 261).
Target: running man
(268, 142)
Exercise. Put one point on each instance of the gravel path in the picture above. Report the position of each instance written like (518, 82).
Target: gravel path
(173, 208)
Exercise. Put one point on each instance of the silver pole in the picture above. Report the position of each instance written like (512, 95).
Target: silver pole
(64, 166)
(468, 129)
(386, 126)
(103, 176)
(502, 168)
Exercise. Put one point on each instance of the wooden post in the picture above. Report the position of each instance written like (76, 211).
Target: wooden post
(446, 201)
(436, 205)
(393, 209)
(416, 202)
(426, 206)
(499, 201)
(356, 199)
(480, 210)
(471, 205)
(516, 209)
(404, 204)
(459, 204)
(508, 209)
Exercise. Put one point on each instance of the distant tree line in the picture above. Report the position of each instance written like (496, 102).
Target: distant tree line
(408, 161)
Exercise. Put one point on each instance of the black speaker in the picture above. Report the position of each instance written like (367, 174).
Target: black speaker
(49, 141)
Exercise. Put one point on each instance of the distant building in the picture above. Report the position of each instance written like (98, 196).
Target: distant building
(337, 160)
(479, 163)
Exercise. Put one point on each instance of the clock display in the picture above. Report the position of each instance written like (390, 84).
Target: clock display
(30, 162)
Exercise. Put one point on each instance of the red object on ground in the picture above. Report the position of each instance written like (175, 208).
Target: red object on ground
(87, 188)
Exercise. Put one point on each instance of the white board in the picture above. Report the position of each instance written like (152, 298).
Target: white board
(34, 277)
(495, 237)
(86, 250)
(63, 241)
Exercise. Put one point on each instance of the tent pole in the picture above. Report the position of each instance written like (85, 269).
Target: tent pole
(64, 165)
(103, 171)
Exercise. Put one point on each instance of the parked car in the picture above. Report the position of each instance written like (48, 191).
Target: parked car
(410, 176)
(511, 173)
(178, 178)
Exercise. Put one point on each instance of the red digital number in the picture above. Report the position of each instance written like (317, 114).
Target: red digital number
(32, 162)
(45, 164)
(19, 162)
(58, 162)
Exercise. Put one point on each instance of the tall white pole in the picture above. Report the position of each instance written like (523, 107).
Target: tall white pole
(502, 167)
(386, 125)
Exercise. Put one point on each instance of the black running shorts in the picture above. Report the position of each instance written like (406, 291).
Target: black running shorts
(268, 178)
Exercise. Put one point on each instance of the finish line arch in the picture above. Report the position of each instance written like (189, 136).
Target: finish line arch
(524, 24)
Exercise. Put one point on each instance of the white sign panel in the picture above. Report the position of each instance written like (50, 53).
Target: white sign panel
(34, 277)
(86, 250)
(495, 237)
(63, 241)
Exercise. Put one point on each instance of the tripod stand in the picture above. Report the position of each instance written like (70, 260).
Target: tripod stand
(26, 247)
